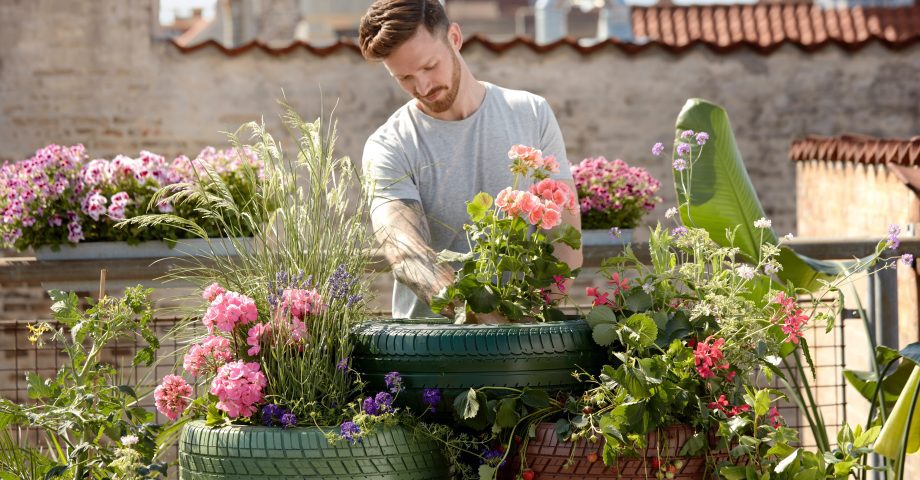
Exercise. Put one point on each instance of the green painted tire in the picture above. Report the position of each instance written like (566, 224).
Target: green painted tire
(455, 358)
(247, 452)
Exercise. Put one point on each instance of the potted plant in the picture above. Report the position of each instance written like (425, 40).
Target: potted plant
(279, 396)
(66, 207)
(511, 270)
(613, 198)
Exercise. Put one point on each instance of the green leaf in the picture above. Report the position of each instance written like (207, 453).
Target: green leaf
(633, 380)
(479, 206)
(441, 299)
(448, 256)
(761, 402)
(786, 462)
(487, 472)
(143, 356)
(482, 299)
(638, 301)
(866, 438)
(842, 469)
(733, 473)
(604, 334)
(56, 471)
(866, 382)
(127, 390)
(38, 388)
(535, 398)
(694, 446)
(601, 315)
(467, 405)
(638, 331)
(912, 352)
(507, 415)
(885, 355)
(721, 196)
(565, 234)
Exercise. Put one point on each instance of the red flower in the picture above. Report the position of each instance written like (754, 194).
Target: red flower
(619, 284)
(599, 299)
(719, 404)
(707, 357)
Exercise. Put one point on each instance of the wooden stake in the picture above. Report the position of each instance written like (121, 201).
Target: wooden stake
(101, 284)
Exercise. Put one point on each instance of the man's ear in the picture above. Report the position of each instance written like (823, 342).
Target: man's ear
(455, 36)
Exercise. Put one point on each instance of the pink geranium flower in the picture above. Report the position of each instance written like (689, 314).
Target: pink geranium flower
(239, 387)
(708, 356)
(172, 396)
(228, 310)
(207, 356)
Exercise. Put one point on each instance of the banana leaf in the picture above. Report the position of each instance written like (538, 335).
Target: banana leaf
(719, 196)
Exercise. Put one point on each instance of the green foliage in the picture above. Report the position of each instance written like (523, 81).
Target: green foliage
(306, 217)
(84, 410)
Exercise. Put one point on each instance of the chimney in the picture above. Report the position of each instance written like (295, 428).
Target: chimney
(551, 20)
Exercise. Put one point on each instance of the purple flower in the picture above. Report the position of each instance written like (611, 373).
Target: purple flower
(431, 397)
(686, 134)
(269, 413)
(702, 138)
(683, 149)
(348, 430)
(384, 402)
(615, 232)
(370, 407)
(342, 365)
(394, 382)
(679, 231)
(680, 164)
(893, 231)
(657, 149)
(340, 284)
(288, 420)
(907, 259)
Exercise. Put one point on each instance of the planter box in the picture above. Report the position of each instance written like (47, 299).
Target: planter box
(549, 458)
(153, 249)
(455, 358)
(593, 237)
(251, 452)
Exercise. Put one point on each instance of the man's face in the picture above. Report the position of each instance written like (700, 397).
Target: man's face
(427, 67)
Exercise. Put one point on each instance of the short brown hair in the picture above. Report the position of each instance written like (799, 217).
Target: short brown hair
(389, 23)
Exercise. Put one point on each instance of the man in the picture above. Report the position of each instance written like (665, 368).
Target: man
(444, 146)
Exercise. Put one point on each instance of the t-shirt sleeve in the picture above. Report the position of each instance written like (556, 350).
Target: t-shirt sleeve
(551, 142)
(388, 173)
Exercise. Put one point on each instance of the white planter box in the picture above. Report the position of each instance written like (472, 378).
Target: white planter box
(593, 238)
(154, 249)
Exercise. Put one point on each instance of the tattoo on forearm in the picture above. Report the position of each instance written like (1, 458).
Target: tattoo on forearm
(402, 230)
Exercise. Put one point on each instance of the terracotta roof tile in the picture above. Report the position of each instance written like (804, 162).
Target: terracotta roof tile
(857, 149)
(761, 27)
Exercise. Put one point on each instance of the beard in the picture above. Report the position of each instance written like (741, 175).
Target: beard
(445, 103)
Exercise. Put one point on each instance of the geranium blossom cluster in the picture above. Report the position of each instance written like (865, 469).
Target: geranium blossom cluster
(528, 161)
(707, 357)
(545, 214)
(791, 317)
(60, 196)
(206, 357)
(613, 194)
(239, 387)
(228, 310)
(172, 396)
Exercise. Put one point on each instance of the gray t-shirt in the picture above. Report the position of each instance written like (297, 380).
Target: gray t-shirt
(443, 164)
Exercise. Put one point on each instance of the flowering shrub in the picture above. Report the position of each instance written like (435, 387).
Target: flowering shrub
(613, 194)
(511, 268)
(60, 196)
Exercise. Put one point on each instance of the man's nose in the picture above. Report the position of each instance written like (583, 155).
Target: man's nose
(423, 86)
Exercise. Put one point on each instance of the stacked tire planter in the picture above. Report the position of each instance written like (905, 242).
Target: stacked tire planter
(550, 459)
(454, 358)
(247, 452)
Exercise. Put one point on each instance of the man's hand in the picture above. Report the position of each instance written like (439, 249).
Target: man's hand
(402, 230)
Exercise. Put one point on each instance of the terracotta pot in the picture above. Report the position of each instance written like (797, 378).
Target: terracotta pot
(548, 457)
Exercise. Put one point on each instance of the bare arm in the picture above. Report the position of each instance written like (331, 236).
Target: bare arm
(402, 230)
(573, 258)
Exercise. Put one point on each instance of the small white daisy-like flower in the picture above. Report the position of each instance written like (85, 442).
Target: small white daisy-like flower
(648, 287)
(129, 440)
(670, 212)
(788, 236)
(746, 272)
(763, 223)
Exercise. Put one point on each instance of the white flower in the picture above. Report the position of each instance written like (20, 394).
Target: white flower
(647, 287)
(788, 236)
(745, 271)
(763, 223)
(670, 213)
(770, 268)
(129, 440)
